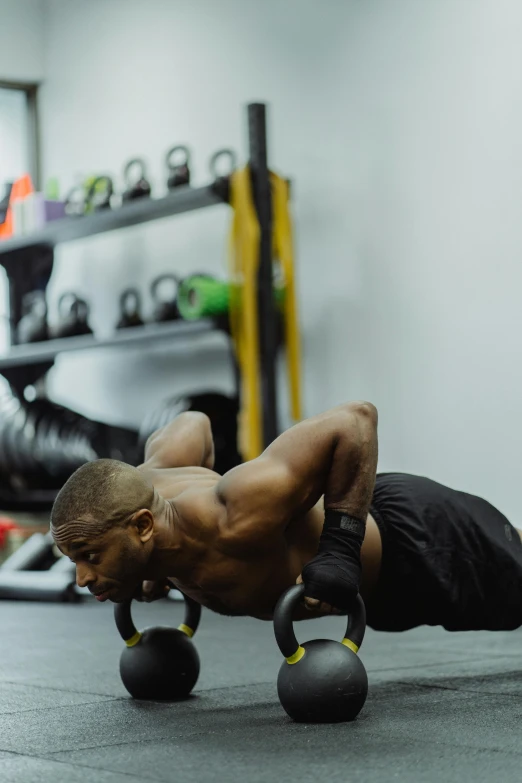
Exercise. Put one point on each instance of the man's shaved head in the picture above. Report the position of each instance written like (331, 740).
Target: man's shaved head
(99, 496)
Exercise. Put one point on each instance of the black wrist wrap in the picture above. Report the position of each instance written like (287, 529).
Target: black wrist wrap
(334, 575)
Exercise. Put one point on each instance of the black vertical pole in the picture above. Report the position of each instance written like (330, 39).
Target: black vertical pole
(267, 313)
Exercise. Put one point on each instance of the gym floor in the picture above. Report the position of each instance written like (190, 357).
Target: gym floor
(441, 706)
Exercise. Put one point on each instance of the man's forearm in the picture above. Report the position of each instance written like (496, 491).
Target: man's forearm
(334, 575)
(351, 478)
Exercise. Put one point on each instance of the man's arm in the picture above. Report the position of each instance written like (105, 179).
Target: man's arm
(184, 442)
(334, 454)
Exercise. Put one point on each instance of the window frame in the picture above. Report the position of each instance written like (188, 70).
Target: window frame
(33, 142)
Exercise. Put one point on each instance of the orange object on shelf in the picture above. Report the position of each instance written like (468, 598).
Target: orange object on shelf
(21, 188)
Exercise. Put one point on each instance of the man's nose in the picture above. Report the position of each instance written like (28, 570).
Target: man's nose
(84, 576)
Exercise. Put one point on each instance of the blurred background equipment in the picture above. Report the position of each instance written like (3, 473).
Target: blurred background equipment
(32, 327)
(222, 412)
(178, 166)
(221, 165)
(202, 296)
(98, 193)
(130, 309)
(41, 442)
(164, 291)
(136, 182)
(73, 312)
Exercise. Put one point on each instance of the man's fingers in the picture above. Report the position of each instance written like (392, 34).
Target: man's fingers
(314, 605)
(151, 590)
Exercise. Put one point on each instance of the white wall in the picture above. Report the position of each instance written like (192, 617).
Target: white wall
(21, 40)
(401, 125)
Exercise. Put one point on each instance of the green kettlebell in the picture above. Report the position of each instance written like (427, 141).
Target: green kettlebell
(321, 681)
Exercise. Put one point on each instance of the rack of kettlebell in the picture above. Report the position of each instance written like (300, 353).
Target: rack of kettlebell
(256, 305)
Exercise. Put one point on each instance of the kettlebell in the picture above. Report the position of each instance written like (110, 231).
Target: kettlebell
(130, 307)
(159, 663)
(32, 326)
(99, 192)
(164, 309)
(215, 163)
(321, 681)
(136, 182)
(73, 313)
(75, 203)
(179, 170)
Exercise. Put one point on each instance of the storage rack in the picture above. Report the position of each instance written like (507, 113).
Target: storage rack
(28, 261)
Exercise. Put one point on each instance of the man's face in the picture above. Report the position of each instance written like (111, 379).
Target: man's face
(111, 565)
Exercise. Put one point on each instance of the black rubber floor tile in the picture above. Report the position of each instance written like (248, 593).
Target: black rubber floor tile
(264, 752)
(21, 698)
(25, 769)
(121, 721)
(431, 712)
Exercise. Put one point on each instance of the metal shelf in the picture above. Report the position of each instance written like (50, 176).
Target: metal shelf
(35, 353)
(184, 199)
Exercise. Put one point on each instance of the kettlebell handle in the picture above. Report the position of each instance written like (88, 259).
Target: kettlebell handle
(131, 636)
(135, 163)
(130, 300)
(284, 631)
(182, 153)
(156, 283)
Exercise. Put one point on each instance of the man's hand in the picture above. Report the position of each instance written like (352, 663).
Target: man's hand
(153, 591)
(314, 605)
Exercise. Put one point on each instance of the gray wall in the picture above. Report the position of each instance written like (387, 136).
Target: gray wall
(21, 40)
(401, 125)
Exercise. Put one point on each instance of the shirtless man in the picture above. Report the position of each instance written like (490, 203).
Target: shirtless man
(310, 508)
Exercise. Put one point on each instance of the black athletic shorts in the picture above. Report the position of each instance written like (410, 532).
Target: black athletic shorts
(448, 559)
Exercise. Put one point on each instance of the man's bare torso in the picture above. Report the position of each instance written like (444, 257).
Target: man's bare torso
(225, 575)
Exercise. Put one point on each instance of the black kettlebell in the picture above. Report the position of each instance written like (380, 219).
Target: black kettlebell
(164, 309)
(159, 663)
(136, 182)
(32, 326)
(321, 681)
(215, 163)
(130, 307)
(179, 169)
(73, 313)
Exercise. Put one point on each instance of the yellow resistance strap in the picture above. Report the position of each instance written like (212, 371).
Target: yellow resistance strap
(284, 251)
(244, 323)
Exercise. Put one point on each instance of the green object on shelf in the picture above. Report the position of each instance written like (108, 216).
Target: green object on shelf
(203, 297)
(52, 189)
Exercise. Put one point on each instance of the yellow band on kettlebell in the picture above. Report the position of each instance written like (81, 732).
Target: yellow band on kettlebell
(133, 640)
(351, 645)
(297, 655)
(186, 629)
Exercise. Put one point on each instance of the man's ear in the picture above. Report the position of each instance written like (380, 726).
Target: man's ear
(143, 522)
